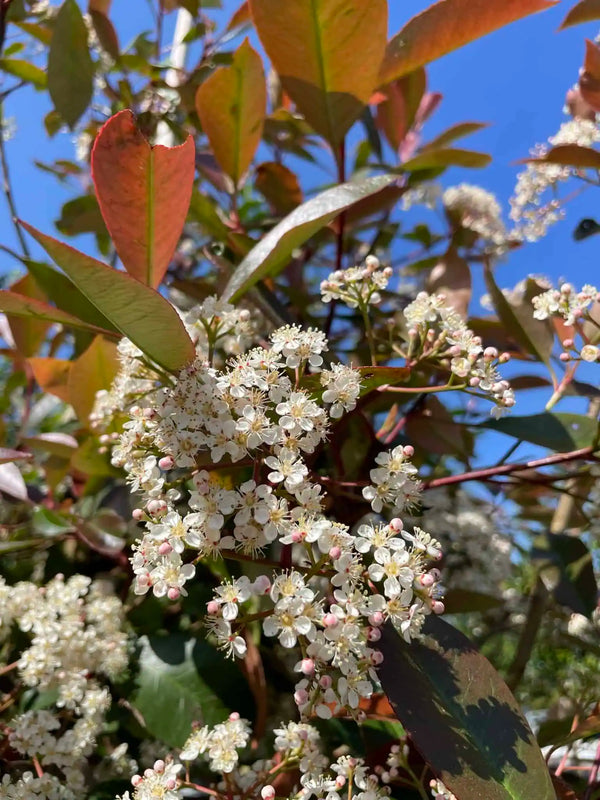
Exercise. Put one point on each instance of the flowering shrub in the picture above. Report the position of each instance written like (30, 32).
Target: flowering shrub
(259, 537)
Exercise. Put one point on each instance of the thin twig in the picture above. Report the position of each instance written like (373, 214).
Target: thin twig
(6, 185)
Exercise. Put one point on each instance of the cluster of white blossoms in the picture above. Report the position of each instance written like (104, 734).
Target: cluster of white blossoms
(575, 308)
(477, 210)
(529, 211)
(437, 331)
(357, 287)
(76, 637)
(297, 752)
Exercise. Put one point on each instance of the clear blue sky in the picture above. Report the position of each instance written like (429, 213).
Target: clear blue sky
(514, 79)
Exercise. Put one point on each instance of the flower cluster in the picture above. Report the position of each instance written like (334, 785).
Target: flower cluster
(297, 751)
(531, 214)
(476, 210)
(436, 330)
(77, 638)
(565, 302)
(357, 287)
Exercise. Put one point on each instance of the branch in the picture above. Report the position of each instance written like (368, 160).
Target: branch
(507, 469)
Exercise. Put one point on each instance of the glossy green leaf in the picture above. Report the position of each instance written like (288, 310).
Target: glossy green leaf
(566, 569)
(273, 252)
(231, 105)
(534, 336)
(81, 215)
(70, 67)
(27, 307)
(327, 54)
(45, 522)
(559, 432)
(181, 681)
(136, 310)
(446, 157)
(447, 25)
(65, 295)
(462, 717)
(25, 71)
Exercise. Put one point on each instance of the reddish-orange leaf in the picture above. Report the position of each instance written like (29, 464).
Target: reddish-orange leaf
(589, 80)
(398, 111)
(327, 54)
(240, 17)
(569, 155)
(452, 277)
(585, 11)
(28, 332)
(279, 185)
(448, 25)
(52, 374)
(231, 105)
(144, 193)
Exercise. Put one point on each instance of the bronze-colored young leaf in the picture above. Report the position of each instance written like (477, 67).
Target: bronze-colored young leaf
(447, 157)
(584, 11)
(570, 155)
(462, 717)
(452, 134)
(106, 33)
(144, 194)
(451, 277)
(70, 67)
(272, 253)
(27, 310)
(397, 112)
(231, 105)
(136, 310)
(279, 186)
(447, 25)
(94, 370)
(52, 374)
(327, 54)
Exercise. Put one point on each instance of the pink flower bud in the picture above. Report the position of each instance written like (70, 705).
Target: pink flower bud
(136, 780)
(159, 766)
(408, 451)
(267, 792)
(173, 593)
(376, 619)
(438, 607)
(373, 634)
(166, 462)
(326, 682)
(330, 620)
(376, 658)
(307, 666)
(234, 716)
(171, 784)
(137, 514)
(426, 579)
(504, 357)
(148, 773)
(212, 607)
(568, 343)
(396, 524)
(565, 357)
(165, 548)
(340, 781)
(301, 697)
(335, 553)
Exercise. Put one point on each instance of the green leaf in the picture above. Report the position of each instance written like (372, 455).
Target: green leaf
(81, 215)
(533, 335)
(21, 306)
(65, 295)
(447, 25)
(559, 432)
(181, 681)
(566, 569)
(327, 54)
(231, 106)
(25, 71)
(273, 252)
(49, 523)
(446, 158)
(464, 601)
(560, 732)
(136, 310)
(70, 67)
(452, 134)
(462, 717)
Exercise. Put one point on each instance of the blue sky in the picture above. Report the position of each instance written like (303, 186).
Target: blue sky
(514, 79)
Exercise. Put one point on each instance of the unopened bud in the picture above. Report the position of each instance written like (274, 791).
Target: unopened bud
(438, 607)
(173, 593)
(335, 553)
(159, 766)
(267, 792)
(212, 607)
(307, 666)
(166, 462)
(137, 514)
(373, 634)
(165, 548)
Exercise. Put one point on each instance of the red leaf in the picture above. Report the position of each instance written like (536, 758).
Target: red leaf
(585, 11)
(446, 26)
(144, 193)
